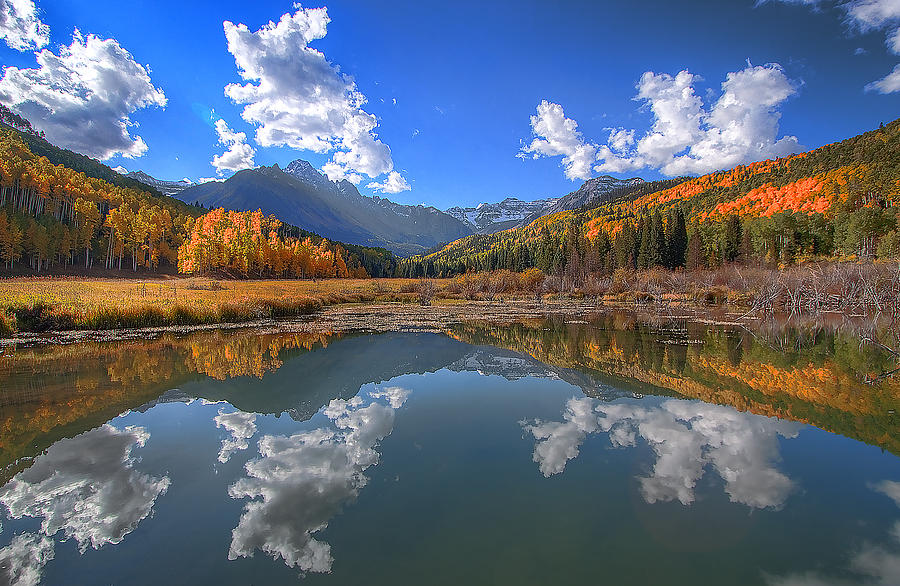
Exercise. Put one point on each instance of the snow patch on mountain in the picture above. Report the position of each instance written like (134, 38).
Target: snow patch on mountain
(487, 218)
(169, 188)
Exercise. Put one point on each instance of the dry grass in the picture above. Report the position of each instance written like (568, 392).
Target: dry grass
(30, 304)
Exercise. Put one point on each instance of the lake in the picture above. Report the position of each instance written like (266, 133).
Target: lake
(546, 451)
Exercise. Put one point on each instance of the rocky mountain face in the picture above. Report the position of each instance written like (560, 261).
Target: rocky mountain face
(488, 218)
(303, 196)
(591, 193)
(170, 188)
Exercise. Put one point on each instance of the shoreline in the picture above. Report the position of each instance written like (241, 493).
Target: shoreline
(370, 318)
(382, 317)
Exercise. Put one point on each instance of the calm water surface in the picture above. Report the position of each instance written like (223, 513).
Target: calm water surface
(536, 453)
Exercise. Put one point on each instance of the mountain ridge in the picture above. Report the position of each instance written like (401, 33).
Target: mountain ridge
(302, 196)
(170, 188)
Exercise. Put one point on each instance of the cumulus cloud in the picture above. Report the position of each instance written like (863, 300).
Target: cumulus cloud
(687, 137)
(393, 183)
(297, 98)
(20, 26)
(23, 560)
(83, 97)
(241, 426)
(239, 155)
(555, 135)
(300, 482)
(87, 487)
(687, 437)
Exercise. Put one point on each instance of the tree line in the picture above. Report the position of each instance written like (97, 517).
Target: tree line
(54, 216)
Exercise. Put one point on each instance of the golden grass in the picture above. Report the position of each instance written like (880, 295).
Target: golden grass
(44, 304)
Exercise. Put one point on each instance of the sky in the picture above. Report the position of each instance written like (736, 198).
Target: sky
(450, 103)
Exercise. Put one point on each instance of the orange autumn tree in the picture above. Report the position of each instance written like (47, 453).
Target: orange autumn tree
(251, 244)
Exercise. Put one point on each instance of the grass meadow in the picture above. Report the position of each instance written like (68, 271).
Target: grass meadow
(42, 304)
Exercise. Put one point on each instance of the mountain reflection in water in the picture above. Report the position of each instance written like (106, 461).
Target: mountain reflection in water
(221, 445)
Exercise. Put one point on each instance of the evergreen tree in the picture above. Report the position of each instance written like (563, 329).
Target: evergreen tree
(656, 248)
(676, 238)
(695, 257)
(731, 247)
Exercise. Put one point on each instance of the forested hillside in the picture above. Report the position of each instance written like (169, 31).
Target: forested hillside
(838, 201)
(52, 216)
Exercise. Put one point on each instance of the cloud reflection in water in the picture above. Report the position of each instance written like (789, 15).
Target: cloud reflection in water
(874, 564)
(84, 486)
(241, 426)
(687, 436)
(300, 482)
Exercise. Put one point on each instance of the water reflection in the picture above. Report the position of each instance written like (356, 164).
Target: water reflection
(687, 437)
(241, 426)
(812, 376)
(300, 482)
(85, 487)
(302, 472)
(23, 560)
(872, 563)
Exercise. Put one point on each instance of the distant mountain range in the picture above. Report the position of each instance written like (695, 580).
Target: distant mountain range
(592, 192)
(170, 188)
(488, 218)
(301, 195)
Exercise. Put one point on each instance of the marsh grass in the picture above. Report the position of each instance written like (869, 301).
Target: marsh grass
(40, 305)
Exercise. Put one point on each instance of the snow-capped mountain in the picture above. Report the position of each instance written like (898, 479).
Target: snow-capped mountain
(304, 171)
(167, 187)
(487, 218)
(592, 192)
(301, 195)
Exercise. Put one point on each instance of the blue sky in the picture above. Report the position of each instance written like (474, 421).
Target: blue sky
(457, 90)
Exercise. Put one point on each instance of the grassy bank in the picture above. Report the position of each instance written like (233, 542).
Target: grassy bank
(36, 305)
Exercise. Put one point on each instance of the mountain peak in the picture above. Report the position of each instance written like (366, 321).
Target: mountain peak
(304, 171)
(169, 188)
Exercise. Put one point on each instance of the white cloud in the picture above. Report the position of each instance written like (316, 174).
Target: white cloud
(888, 84)
(687, 436)
(241, 426)
(297, 98)
(87, 487)
(239, 155)
(893, 41)
(393, 183)
(23, 560)
(873, 14)
(300, 482)
(555, 135)
(20, 26)
(686, 137)
(83, 97)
